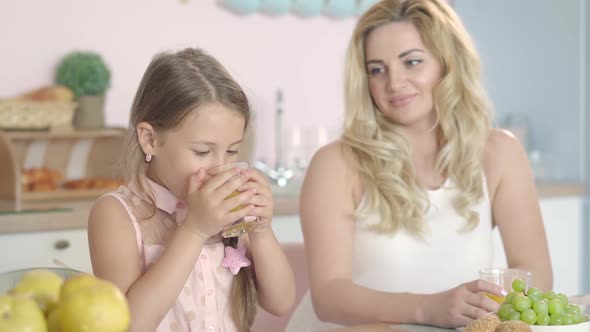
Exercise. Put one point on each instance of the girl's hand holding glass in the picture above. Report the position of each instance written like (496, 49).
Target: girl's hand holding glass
(209, 209)
(262, 201)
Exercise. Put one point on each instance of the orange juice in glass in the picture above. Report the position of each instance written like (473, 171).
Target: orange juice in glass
(243, 225)
(504, 277)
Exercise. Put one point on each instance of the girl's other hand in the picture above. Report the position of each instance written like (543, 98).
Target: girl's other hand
(208, 210)
(263, 200)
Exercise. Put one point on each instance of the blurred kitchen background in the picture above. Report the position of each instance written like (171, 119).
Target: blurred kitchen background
(535, 56)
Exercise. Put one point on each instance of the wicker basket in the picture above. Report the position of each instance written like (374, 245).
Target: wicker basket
(24, 114)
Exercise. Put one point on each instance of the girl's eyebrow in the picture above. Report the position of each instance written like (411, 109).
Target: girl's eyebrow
(214, 144)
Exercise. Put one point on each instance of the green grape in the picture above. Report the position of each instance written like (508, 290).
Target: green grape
(556, 320)
(518, 285)
(555, 307)
(563, 298)
(572, 308)
(515, 315)
(534, 294)
(541, 307)
(567, 319)
(543, 319)
(509, 297)
(578, 318)
(528, 316)
(521, 303)
(549, 295)
(505, 310)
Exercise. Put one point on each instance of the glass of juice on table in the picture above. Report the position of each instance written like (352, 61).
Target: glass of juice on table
(243, 225)
(504, 278)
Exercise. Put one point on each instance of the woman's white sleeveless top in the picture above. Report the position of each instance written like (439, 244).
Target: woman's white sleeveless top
(446, 258)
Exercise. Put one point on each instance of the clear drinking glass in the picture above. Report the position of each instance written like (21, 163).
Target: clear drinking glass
(243, 225)
(504, 277)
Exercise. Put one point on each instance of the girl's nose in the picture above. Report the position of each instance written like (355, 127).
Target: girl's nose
(220, 160)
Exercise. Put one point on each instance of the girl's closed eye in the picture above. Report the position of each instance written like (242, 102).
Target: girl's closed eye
(232, 152)
(201, 153)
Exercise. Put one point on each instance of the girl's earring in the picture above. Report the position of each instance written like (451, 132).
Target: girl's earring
(148, 158)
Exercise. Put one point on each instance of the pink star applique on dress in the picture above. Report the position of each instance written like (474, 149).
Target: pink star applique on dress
(235, 259)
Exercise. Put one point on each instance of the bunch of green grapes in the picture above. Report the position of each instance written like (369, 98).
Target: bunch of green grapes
(537, 308)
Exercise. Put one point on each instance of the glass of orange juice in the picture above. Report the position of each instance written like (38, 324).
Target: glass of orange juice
(243, 225)
(504, 278)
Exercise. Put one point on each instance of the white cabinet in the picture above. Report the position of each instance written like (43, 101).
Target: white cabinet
(563, 224)
(287, 228)
(45, 249)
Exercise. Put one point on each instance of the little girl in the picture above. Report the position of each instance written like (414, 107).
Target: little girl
(158, 238)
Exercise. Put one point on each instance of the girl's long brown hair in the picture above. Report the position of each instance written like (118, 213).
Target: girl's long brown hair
(173, 85)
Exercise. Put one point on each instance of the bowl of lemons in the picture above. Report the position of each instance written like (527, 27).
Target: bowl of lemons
(60, 299)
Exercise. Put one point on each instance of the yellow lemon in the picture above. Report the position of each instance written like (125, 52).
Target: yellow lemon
(53, 321)
(41, 285)
(91, 304)
(20, 313)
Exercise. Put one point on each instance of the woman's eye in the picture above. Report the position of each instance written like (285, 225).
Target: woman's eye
(375, 71)
(232, 152)
(201, 153)
(414, 62)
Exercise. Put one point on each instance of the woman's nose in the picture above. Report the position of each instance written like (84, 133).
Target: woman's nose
(396, 80)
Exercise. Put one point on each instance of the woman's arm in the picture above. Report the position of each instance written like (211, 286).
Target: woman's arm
(327, 218)
(515, 208)
(115, 257)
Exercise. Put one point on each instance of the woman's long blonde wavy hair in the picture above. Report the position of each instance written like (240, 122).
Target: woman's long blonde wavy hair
(173, 85)
(462, 111)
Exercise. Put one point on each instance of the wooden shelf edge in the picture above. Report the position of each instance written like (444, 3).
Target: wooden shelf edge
(65, 134)
(64, 194)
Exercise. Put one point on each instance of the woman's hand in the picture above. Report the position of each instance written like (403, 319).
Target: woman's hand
(263, 200)
(459, 306)
(208, 210)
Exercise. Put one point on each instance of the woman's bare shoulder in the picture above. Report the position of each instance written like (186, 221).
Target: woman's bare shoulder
(335, 166)
(335, 154)
(502, 150)
(501, 141)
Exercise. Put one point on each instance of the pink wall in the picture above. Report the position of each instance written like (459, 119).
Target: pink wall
(304, 57)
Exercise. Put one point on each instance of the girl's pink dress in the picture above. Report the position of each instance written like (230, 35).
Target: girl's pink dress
(203, 304)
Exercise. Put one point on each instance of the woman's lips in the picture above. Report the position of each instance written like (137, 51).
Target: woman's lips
(402, 100)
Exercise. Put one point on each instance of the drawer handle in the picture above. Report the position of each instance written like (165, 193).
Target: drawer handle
(62, 244)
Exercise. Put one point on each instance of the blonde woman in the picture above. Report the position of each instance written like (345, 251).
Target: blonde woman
(397, 215)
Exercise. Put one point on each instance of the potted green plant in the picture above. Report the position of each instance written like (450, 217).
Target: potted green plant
(87, 75)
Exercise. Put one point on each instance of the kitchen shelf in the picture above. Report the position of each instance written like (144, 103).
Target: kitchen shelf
(64, 134)
(75, 154)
